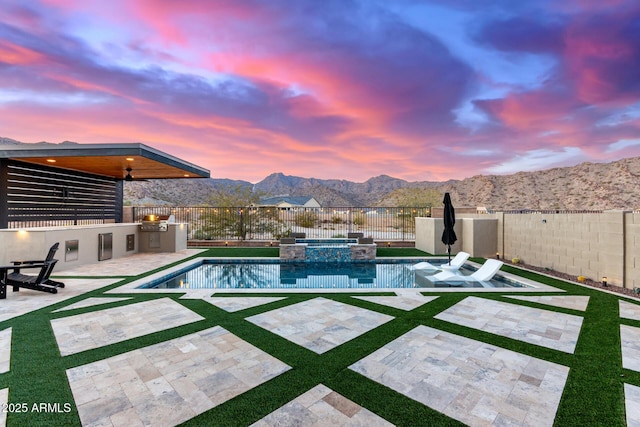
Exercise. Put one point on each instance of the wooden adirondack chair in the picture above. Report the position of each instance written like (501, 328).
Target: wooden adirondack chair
(41, 282)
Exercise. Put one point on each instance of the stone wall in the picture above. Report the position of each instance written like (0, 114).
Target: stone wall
(429, 236)
(632, 250)
(348, 253)
(594, 245)
(293, 252)
(479, 236)
(363, 252)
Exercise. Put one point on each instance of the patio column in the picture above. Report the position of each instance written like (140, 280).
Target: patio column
(4, 183)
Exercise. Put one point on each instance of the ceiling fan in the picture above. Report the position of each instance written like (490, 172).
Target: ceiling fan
(128, 177)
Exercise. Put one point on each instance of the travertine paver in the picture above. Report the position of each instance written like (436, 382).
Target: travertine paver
(630, 337)
(4, 399)
(168, 383)
(401, 302)
(5, 350)
(629, 310)
(90, 302)
(27, 300)
(98, 328)
(319, 324)
(322, 406)
(131, 265)
(471, 381)
(573, 302)
(542, 327)
(232, 304)
(632, 405)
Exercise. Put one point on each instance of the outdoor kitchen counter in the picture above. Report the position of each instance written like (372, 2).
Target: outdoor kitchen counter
(87, 244)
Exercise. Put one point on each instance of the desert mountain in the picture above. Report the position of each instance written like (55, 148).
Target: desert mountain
(614, 185)
(588, 186)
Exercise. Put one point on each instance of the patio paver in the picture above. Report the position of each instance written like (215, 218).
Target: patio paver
(471, 381)
(5, 350)
(322, 406)
(27, 300)
(4, 399)
(629, 310)
(402, 302)
(319, 324)
(129, 266)
(632, 405)
(542, 327)
(91, 302)
(630, 337)
(99, 328)
(233, 304)
(573, 302)
(170, 382)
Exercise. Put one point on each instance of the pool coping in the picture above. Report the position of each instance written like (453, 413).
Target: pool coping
(133, 287)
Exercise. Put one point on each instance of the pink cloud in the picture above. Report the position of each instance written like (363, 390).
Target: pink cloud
(326, 89)
(13, 54)
(531, 111)
(603, 55)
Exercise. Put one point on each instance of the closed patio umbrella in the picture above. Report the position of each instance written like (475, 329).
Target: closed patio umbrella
(449, 235)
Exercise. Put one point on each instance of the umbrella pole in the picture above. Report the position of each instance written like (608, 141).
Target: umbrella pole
(449, 252)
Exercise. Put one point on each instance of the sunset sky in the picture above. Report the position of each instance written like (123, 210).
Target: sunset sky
(349, 89)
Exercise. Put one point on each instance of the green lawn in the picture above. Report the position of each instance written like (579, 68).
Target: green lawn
(593, 395)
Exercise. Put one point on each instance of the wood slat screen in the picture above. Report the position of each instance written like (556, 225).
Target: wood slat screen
(38, 196)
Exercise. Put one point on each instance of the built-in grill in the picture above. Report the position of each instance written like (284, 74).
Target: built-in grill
(156, 223)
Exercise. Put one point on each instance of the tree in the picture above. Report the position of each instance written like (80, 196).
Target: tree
(234, 216)
(234, 196)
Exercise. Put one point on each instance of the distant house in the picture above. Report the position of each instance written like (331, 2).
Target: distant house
(289, 202)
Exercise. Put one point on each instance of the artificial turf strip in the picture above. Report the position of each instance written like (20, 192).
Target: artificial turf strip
(593, 394)
(387, 403)
(399, 252)
(599, 354)
(38, 376)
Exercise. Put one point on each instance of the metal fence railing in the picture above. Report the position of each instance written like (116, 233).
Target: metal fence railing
(546, 211)
(269, 223)
(58, 217)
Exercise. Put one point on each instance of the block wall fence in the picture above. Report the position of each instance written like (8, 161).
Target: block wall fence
(594, 245)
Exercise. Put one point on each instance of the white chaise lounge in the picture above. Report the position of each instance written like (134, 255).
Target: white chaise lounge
(457, 262)
(483, 274)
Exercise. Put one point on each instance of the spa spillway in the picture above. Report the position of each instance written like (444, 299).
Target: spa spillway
(327, 250)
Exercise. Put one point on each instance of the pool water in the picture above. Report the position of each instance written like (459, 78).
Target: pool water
(272, 274)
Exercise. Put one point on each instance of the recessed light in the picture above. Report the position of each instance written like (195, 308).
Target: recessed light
(51, 160)
(186, 175)
(130, 159)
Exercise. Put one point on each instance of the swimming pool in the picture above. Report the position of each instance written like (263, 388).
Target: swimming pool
(273, 274)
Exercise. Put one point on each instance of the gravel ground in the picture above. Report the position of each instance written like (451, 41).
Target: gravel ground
(588, 282)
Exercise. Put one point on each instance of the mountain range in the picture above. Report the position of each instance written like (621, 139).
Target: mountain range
(587, 186)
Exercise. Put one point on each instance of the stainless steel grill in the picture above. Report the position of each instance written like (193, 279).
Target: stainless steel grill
(156, 223)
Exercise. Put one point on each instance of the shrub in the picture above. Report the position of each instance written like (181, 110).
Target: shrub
(359, 219)
(306, 219)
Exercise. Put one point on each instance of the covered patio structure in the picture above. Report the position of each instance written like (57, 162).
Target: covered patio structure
(73, 193)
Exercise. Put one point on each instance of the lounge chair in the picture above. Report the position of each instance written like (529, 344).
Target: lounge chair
(486, 271)
(457, 262)
(484, 274)
(41, 282)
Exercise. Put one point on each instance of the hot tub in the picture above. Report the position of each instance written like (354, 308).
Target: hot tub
(327, 250)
